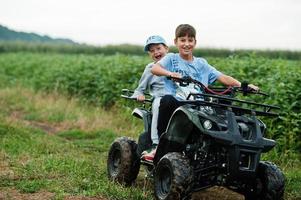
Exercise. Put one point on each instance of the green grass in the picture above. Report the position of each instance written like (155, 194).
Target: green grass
(39, 109)
(293, 182)
(70, 161)
(73, 163)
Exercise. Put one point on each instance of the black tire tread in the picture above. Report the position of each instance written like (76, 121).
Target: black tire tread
(273, 182)
(182, 179)
(129, 166)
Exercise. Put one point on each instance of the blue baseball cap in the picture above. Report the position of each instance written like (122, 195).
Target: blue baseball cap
(155, 39)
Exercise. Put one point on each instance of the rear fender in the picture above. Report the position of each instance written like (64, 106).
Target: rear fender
(145, 115)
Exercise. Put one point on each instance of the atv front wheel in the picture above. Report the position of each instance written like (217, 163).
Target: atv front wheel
(269, 185)
(123, 162)
(173, 177)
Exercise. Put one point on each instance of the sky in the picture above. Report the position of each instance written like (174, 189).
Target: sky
(233, 24)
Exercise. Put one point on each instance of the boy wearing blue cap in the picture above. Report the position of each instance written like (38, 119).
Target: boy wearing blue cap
(185, 64)
(157, 49)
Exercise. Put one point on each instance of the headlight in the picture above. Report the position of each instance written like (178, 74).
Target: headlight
(207, 124)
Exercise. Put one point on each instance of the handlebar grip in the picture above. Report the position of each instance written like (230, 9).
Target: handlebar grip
(127, 97)
(134, 98)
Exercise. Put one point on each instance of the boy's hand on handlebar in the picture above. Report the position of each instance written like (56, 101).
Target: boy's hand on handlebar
(253, 87)
(141, 98)
(174, 75)
(249, 88)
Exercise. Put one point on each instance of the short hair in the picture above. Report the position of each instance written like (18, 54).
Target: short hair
(185, 29)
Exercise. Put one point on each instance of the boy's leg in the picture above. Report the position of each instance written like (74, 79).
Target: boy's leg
(162, 109)
(161, 115)
(149, 155)
(155, 112)
(168, 105)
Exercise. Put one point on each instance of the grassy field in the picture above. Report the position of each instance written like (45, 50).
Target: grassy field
(54, 138)
(63, 154)
(98, 80)
(54, 144)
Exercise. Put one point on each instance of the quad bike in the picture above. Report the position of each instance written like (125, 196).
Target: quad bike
(214, 139)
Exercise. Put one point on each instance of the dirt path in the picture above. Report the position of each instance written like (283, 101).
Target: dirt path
(213, 193)
(217, 193)
(209, 194)
(13, 194)
(17, 117)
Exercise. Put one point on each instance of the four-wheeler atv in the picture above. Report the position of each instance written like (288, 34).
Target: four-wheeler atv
(214, 139)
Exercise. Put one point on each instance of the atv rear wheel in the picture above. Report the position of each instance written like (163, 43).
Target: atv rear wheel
(173, 177)
(269, 185)
(123, 162)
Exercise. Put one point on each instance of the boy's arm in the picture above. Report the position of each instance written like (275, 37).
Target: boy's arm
(158, 70)
(230, 81)
(143, 85)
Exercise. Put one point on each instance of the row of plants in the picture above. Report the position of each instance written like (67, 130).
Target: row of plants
(98, 79)
(21, 46)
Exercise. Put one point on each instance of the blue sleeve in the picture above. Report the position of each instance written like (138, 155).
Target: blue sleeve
(144, 81)
(213, 73)
(166, 62)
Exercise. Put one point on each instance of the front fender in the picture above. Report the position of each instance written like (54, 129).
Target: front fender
(180, 126)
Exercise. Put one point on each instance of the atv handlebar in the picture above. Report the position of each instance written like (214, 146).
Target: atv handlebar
(127, 94)
(225, 97)
(245, 89)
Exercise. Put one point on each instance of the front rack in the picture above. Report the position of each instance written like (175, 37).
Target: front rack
(226, 103)
(223, 102)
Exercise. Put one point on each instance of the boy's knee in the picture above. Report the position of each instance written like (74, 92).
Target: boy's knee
(167, 100)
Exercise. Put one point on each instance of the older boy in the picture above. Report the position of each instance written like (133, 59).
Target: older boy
(185, 64)
(157, 49)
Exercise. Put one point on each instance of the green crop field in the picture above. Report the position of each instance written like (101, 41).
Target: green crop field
(59, 114)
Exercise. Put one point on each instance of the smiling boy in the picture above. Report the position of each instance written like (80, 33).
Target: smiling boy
(185, 64)
(157, 49)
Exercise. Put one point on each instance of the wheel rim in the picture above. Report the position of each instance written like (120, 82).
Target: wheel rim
(164, 182)
(115, 162)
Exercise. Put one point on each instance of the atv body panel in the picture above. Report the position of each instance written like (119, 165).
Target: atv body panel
(227, 130)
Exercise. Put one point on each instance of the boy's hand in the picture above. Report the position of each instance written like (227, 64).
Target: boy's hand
(174, 75)
(140, 98)
(253, 87)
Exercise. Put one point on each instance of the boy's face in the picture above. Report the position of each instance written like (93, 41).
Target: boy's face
(185, 45)
(157, 51)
